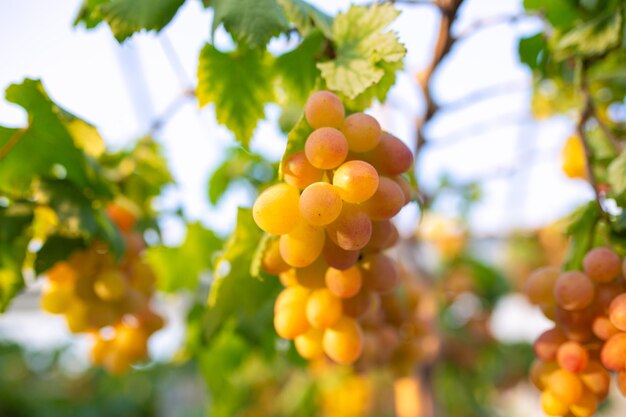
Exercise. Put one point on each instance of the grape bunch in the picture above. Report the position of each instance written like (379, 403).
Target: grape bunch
(106, 298)
(588, 340)
(331, 217)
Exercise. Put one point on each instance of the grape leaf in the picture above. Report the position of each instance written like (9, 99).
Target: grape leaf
(592, 38)
(54, 249)
(582, 223)
(617, 174)
(239, 83)
(377, 91)
(560, 13)
(126, 17)
(234, 294)
(181, 267)
(46, 144)
(307, 17)
(88, 15)
(361, 43)
(239, 166)
(532, 51)
(296, 70)
(253, 22)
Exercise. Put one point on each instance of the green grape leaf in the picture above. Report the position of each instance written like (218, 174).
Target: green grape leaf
(181, 267)
(377, 91)
(533, 51)
(295, 141)
(361, 43)
(126, 17)
(252, 22)
(306, 17)
(234, 294)
(88, 15)
(15, 221)
(580, 231)
(592, 38)
(560, 13)
(239, 83)
(617, 174)
(239, 166)
(46, 144)
(54, 249)
(296, 70)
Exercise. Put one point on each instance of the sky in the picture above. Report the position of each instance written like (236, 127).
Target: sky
(123, 89)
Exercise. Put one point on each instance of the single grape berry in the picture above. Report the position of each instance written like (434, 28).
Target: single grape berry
(324, 109)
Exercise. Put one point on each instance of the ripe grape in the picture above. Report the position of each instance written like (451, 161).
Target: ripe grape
(603, 328)
(602, 264)
(323, 309)
(382, 233)
(344, 283)
(596, 379)
(540, 372)
(56, 298)
(613, 352)
(548, 343)
(552, 405)
(123, 218)
(356, 181)
(391, 156)
(320, 204)
(343, 342)
(302, 245)
(357, 306)
(295, 295)
(576, 325)
(326, 148)
(312, 276)
(606, 293)
(572, 356)
(573, 290)
(565, 386)
(276, 210)
(337, 257)
(362, 132)
(110, 285)
(386, 202)
(352, 229)
(379, 272)
(290, 318)
(132, 341)
(586, 406)
(324, 109)
(539, 285)
(298, 171)
(574, 162)
(617, 312)
(62, 272)
(406, 188)
(271, 261)
(309, 344)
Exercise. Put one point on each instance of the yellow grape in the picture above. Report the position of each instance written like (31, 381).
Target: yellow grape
(356, 181)
(380, 273)
(362, 132)
(547, 344)
(596, 379)
(391, 156)
(290, 312)
(343, 342)
(320, 204)
(540, 372)
(326, 148)
(617, 312)
(603, 328)
(602, 265)
(324, 109)
(288, 278)
(323, 309)
(573, 290)
(572, 356)
(565, 386)
(552, 405)
(295, 295)
(302, 245)
(99, 350)
(276, 210)
(344, 284)
(586, 406)
(56, 298)
(383, 232)
(77, 317)
(272, 262)
(406, 188)
(574, 162)
(352, 229)
(132, 341)
(539, 285)
(101, 314)
(386, 202)
(110, 285)
(62, 272)
(337, 257)
(309, 345)
(298, 171)
(358, 305)
(613, 352)
(312, 276)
